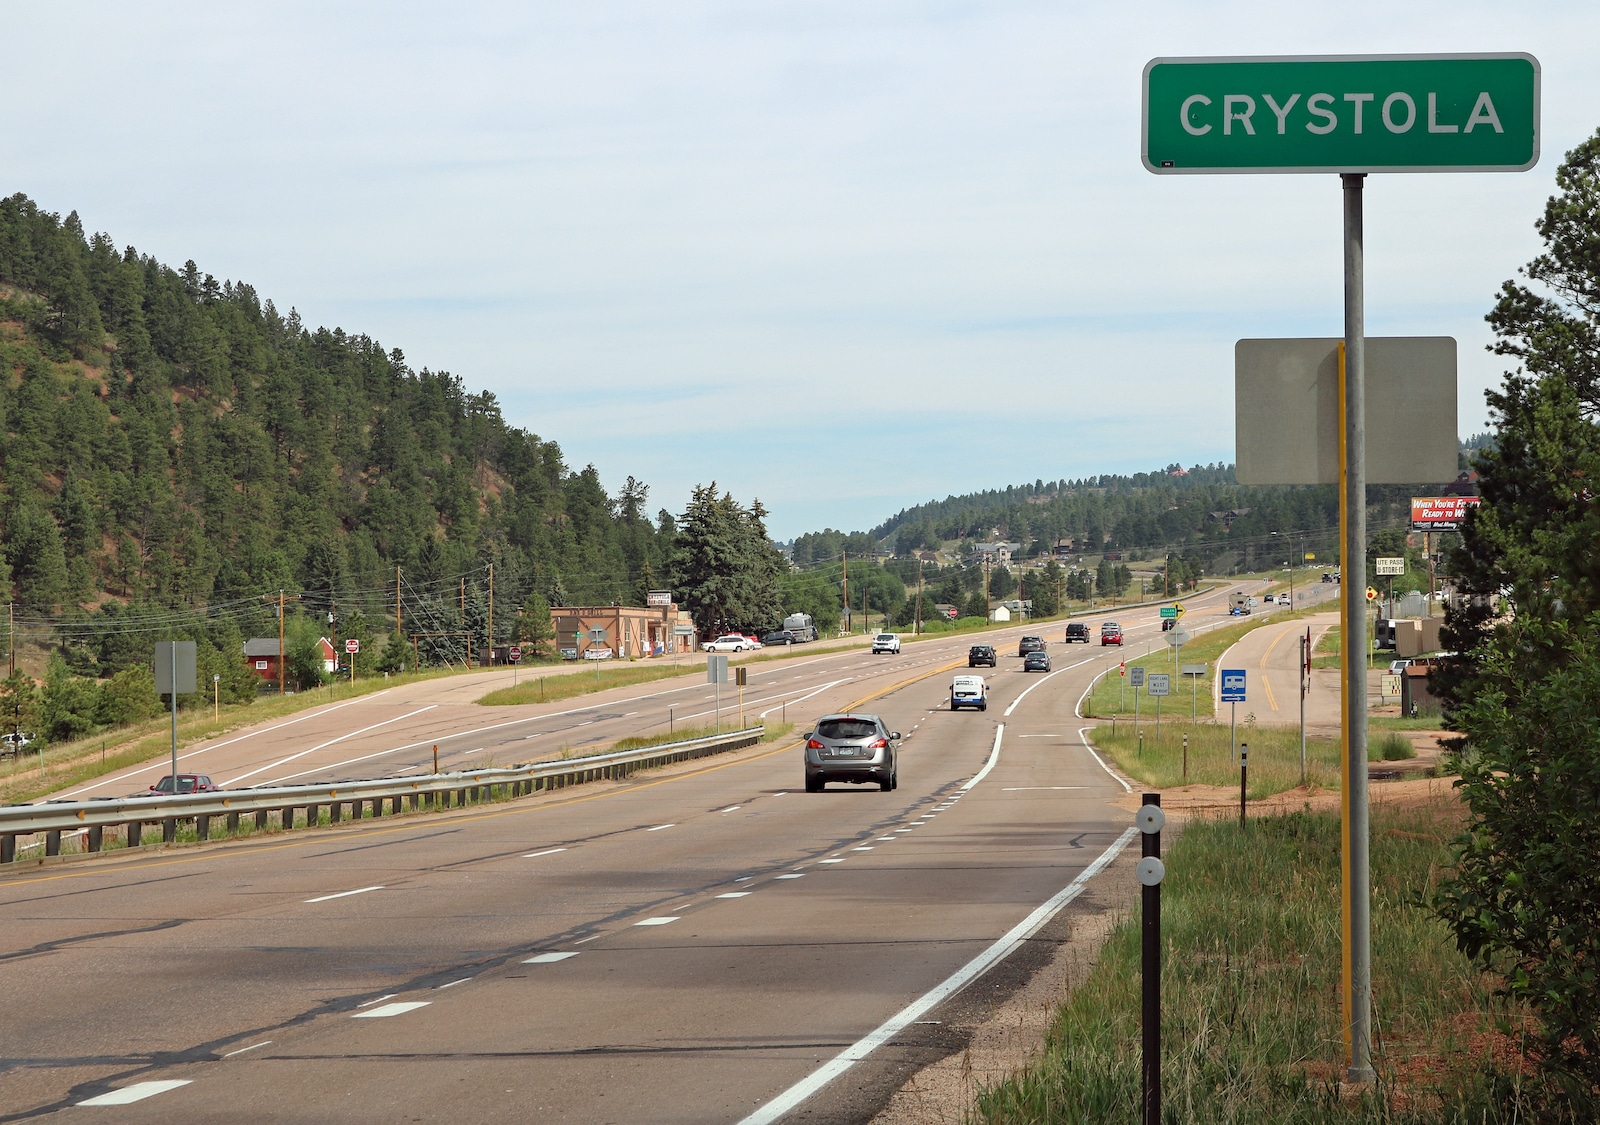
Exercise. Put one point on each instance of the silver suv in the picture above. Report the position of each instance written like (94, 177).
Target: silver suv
(854, 748)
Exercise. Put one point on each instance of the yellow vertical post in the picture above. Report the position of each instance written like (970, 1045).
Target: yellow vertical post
(1344, 757)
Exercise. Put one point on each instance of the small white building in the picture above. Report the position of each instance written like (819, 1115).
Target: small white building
(1000, 613)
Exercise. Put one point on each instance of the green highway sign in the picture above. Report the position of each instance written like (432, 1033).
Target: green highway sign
(1342, 113)
(1169, 611)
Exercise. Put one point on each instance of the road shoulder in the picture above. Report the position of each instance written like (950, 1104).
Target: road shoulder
(998, 1025)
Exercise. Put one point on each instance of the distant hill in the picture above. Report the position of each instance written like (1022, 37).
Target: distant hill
(169, 442)
(1201, 511)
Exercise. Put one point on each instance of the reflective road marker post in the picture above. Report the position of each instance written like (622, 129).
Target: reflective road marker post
(1150, 873)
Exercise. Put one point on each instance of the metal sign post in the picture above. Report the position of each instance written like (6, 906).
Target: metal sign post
(1233, 685)
(1136, 676)
(717, 673)
(173, 663)
(1159, 684)
(1351, 115)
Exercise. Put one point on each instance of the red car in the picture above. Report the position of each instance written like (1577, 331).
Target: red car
(1110, 633)
(187, 783)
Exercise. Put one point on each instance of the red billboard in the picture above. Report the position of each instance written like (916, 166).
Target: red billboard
(1440, 513)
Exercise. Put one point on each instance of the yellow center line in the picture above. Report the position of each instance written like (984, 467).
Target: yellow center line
(1266, 686)
(414, 824)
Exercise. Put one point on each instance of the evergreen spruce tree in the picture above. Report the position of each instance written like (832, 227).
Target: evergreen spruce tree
(1524, 687)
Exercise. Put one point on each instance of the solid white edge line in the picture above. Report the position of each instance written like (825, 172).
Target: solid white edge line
(994, 756)
(1126, 788)
(1002, 948)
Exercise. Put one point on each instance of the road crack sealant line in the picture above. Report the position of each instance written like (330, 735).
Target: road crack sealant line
(971, 971)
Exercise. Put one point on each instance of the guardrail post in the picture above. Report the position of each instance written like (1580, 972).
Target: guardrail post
(8, 848)
(135, 832)
(261, 821)
(96, 838)
(169, 830)
(335, 812)
(202, 827)
(52, 842)
(233, 824)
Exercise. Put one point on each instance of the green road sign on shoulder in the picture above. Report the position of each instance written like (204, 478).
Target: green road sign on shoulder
(1342, 113)
(1169, 611)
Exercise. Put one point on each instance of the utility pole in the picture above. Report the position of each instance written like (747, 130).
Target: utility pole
(986, 560)
(491, 615)
(281, 599)
(919, 597)
(398, 626)
(844, 559)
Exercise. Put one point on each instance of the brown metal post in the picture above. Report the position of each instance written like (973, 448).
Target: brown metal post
(1150, 972)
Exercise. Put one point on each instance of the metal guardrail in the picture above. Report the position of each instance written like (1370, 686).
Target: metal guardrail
(429, 791)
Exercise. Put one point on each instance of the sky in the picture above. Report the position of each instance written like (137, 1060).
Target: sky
(840, 257)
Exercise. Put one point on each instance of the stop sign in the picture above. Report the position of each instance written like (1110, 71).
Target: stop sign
(515, 653)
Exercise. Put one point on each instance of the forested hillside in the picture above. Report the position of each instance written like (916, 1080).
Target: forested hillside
(173, 447)
(1200, 512)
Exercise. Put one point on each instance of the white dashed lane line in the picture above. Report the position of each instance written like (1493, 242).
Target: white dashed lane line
(387, 1010)
(661, 921)
(659, 827)
(345, 894)
(550, 958)
(252, 1047)
(138, 1092)
(547, 851)
(735, 894)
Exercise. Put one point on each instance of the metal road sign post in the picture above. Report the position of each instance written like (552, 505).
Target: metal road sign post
(717, 673)
(1233, 684)
(1136, 676)
(1351, 115)
(173, 663)
(1194, 672)
(1158, 684)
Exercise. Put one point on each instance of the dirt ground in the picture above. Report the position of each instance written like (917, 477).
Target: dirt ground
(1005, 1037)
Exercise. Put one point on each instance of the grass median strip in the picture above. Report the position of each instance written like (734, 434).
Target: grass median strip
(1250, 1014)
(1212, 758)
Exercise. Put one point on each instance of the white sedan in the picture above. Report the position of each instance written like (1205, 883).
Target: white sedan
(728, 642)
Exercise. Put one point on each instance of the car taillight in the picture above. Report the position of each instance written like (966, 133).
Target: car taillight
(813, 744)
(879, 745)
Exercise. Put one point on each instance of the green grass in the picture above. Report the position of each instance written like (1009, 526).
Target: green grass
(1274, 755)
(1109, 697)
(543, 689)
(1250, 1017)
(772, 733)
(74, 763)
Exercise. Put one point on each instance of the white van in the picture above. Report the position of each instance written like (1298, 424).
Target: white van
(969, 691)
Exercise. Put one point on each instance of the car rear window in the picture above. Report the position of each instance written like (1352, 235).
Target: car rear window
(847, 728)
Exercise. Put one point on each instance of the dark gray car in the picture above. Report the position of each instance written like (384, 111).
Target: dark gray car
(854, 748)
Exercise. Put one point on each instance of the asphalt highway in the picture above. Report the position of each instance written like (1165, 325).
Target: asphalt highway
(700, 944)
(393, 733)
